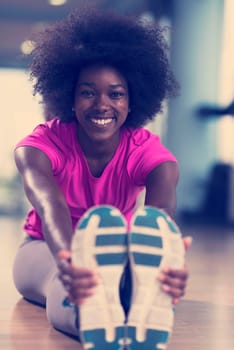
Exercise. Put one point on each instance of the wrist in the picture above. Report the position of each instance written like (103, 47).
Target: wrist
(63, 254)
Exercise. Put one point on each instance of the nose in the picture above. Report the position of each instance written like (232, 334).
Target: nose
(101, 102)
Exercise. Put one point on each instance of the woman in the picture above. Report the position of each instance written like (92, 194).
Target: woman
(103, 77)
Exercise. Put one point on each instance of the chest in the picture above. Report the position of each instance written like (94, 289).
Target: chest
(92, 182)
(97, 166)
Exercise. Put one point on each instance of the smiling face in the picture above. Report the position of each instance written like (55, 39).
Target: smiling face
(101, 103)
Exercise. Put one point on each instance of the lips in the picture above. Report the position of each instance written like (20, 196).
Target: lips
(101, 121)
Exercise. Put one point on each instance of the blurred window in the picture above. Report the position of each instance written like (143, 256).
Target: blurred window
(226, 127)
(20, 113)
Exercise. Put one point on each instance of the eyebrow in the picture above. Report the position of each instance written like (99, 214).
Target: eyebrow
(113, 86)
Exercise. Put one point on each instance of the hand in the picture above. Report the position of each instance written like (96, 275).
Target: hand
(174, 281)
(80, 283)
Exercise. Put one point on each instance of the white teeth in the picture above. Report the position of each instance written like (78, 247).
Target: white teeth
(102, 121)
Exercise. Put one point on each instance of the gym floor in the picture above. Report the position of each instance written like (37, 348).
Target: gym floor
(204, 320)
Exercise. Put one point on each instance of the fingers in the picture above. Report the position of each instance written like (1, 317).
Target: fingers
(80, 283)
(174, 283)
(187, 242)
(64, 255)
(82, 286)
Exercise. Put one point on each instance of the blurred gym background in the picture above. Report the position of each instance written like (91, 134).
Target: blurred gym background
(197, 126)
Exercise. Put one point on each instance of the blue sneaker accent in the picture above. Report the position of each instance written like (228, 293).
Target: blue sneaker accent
(100, 242)
(113, 239)
(151, 220)
(154, 243)
(147, 259)
(111, 259)
(95, 339)
(106, 216)
(154, 339)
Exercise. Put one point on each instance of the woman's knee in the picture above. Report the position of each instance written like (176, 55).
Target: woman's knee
(32, 270)
(24, 284)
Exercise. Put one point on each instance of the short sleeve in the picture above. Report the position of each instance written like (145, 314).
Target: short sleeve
(45, 138)
(147, 153)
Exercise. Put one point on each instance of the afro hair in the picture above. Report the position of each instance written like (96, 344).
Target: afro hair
(137, 49)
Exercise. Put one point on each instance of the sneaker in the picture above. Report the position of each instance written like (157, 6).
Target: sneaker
(155, 242)
(100, 242)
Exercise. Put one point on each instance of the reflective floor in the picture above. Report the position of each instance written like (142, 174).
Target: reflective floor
(204, 319)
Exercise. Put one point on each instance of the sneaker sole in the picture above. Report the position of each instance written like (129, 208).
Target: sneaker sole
(154, 243)
(100, 242)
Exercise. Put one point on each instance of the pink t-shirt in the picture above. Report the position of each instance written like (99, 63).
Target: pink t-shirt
(139, 151)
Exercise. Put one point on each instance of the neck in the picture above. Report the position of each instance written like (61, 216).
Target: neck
(97, 148)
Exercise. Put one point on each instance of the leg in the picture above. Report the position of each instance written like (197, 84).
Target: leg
(154, 242)
(64, 319)
(101, 241)
(35, 277)
(34, 267)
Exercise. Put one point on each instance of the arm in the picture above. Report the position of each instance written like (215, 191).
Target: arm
(161, 193)
(161, 187)
(49, 202)
(46, 197)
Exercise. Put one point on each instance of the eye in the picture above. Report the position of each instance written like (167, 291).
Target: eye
(117, 94)
(87, 93)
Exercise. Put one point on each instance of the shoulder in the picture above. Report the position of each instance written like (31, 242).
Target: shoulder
(53, 132)
(54, 139)
(144, 142)
(140, 136)
(145, 152)
(55, 126)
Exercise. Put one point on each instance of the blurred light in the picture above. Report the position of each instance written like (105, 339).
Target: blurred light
(147, 17)
(57, 2)
(27, 46)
